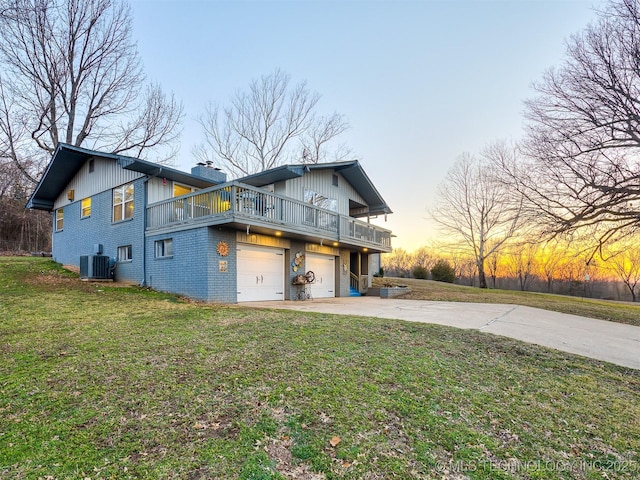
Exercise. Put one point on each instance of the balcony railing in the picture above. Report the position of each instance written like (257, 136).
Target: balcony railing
(234, 202)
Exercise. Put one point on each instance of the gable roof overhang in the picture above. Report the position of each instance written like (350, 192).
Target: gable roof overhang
(67, 160)
(351, 171)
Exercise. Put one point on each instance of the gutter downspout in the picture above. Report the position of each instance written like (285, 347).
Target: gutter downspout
(143, 283)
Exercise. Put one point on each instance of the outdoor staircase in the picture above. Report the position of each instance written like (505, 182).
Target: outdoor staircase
(354, 291)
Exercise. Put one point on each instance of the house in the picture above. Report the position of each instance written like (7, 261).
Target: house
(203, 237)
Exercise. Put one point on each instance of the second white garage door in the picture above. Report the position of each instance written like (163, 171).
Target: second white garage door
(323, 266)
(260, 273)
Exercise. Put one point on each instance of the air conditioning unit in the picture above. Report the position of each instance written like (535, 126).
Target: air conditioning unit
(95, 267)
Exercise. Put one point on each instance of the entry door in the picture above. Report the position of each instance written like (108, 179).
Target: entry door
(323, 266)
(260, 273)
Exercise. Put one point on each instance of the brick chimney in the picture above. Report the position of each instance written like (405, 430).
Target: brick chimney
(208, 171)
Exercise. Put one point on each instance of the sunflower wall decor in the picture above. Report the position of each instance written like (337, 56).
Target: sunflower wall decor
(222, 248)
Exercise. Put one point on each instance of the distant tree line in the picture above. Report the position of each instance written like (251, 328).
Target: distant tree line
(21, 230)
(550, 267)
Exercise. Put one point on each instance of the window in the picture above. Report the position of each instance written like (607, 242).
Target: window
(319, 200)
(85, 207)
(335, 180)
(319, 218)
(91, 165)
(179, 189)
(123, 202)
(164, 248)
(125, 253)
(59, 219)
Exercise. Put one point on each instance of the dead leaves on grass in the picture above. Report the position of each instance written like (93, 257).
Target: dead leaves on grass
(279, 449)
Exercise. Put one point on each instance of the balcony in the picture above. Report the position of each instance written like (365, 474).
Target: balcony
(242, 206)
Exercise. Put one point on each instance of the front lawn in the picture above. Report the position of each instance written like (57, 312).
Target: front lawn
(103, 381)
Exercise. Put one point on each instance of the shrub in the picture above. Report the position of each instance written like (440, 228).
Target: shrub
(419, 272)
(443, 272)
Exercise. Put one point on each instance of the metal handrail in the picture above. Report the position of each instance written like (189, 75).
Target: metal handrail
(235, 199)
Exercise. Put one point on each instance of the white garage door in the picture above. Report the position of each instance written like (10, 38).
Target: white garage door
(323, 266)
(260, 273)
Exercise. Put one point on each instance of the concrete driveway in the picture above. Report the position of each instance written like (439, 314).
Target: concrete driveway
(608, 341)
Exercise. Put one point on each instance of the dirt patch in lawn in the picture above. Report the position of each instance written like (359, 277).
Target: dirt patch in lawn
(279, 449)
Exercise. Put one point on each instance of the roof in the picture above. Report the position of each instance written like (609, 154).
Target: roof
(67, 160)
(351, 170)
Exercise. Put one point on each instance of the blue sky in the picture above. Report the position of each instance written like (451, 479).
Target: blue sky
(420, 82)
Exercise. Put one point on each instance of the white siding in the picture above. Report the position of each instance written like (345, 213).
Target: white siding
(106, 175)
(322, 182)
(158, 191)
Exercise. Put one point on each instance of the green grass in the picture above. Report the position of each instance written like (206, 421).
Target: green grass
(100, 381)
(587, 307)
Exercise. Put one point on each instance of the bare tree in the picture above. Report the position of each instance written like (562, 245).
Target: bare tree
(494, 262)
(270, 124)
(475, 206)
(397, 263)
(521, 261)
(465, 267)
(424, 257)
(624, 262)
(550, 260)
(70, 72)
(320, 133)
(582, 165)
